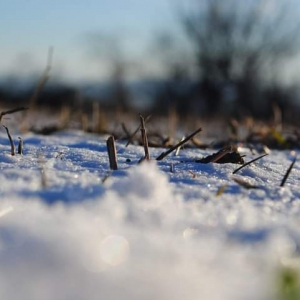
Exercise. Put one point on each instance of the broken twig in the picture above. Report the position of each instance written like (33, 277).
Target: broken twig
(112, 153)
(20, 146)
(288, 172)
(182, 142)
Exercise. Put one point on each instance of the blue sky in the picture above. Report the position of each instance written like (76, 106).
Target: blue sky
(29, 27)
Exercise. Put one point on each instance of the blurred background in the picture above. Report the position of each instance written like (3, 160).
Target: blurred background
(194, 58)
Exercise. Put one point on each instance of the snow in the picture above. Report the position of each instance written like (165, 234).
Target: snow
(145, 232)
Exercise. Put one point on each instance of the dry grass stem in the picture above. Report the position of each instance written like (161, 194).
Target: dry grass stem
(65, 116)
(136, 131)
(288, 172)
(12, 145)
(112, 153)
(178, 149)
(84, 122)
(221, 190)
(99, 121)
(172, 120)
(249, 162)
(144, 138)
(166, 153)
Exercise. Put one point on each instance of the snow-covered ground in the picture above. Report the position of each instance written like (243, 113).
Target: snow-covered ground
(145, 232)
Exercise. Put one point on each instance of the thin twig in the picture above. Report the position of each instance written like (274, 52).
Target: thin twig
(249, 162)
(144, 138)
(288, 172)
(7, 112)
(136, 131)
(164, 154)
(12, 145)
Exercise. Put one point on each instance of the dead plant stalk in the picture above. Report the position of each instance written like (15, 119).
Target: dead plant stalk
(112, 153)
(12, 145)
(182, 142)
(144, 138)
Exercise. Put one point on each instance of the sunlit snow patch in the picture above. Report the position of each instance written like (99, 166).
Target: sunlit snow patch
(114, 250)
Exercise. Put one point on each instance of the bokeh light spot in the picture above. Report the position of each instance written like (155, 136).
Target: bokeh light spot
(114, 250)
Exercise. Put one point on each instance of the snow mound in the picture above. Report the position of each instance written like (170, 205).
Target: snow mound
(136, 236)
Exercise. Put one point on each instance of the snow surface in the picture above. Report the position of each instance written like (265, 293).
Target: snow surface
(146, 232)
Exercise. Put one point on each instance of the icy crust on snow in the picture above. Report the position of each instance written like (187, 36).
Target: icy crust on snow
(146, 232)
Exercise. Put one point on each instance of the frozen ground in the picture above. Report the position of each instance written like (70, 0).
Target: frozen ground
(145, 233)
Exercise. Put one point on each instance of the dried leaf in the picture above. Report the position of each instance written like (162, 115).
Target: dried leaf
(221, 190)
(225, 155)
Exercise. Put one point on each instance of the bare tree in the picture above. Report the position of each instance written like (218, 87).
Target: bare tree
(105, 48)
(241, 44)
(175, 62)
